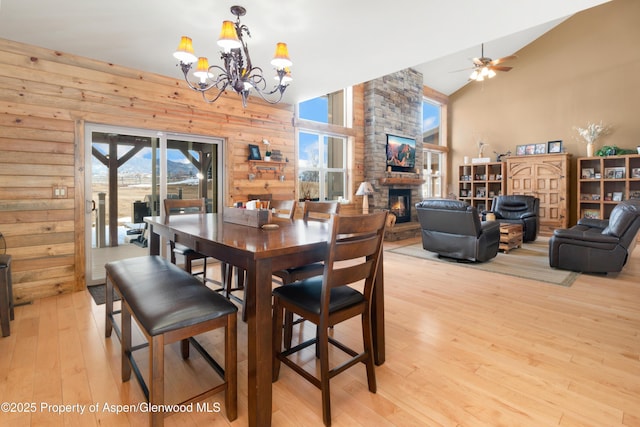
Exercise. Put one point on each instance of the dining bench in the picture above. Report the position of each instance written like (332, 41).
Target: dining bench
(169, 305)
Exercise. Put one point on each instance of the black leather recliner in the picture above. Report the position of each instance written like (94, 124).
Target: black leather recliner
(596, 245)
(519, 209)
(453, 229)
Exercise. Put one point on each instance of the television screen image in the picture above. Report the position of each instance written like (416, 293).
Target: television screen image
(401, 151)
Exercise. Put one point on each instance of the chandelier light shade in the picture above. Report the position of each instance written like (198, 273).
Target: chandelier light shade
(237, 72)
(185, 51)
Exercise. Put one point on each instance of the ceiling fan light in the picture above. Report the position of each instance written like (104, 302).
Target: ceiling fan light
(484, 72)
(281, 58)
(228, 37)
(474, 75)
(184, 53)
(492, 73)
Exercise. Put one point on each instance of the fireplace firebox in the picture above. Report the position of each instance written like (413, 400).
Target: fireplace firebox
(400, 204)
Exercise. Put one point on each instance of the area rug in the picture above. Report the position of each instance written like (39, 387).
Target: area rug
(529, 262)
(99, 294)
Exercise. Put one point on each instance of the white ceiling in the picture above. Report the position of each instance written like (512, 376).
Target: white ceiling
(332, 43)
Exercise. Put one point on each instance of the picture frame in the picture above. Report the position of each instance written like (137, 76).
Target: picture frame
(530, 149)
(617, 196)
(587, 173)
(614, 173)
(541, 148)
(635, 173)
(254, 152)
(521, 150)
(554, 146)
(591, 213)
(595, 197)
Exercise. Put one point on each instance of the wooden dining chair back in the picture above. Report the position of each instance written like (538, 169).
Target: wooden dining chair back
(313, 211)
(352, 256)
(174, 207)
(319, 211)
(283, 208)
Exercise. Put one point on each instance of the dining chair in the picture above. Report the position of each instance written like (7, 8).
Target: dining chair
(181, 207)
(312, 211)
(284, 209)
(228, 270)
(352, 256)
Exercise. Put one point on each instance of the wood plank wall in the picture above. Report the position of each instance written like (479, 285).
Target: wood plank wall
(45, 99)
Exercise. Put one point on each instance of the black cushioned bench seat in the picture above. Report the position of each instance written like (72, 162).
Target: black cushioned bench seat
(170, 305)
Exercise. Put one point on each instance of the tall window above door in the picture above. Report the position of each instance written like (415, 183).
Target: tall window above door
(324, 146)
(330, 109)
(434, 145)
(431, 112)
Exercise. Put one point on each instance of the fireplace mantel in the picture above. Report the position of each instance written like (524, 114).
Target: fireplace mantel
(401, 181)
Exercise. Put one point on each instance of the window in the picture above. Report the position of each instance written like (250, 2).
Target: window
(434, 148)
(431, 122)
(432, 174)
(322, 166)
(328, 109)
(323, 149)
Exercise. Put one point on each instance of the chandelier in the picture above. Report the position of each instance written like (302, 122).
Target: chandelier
(238, 73)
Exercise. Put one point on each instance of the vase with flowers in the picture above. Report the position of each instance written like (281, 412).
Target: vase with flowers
(591, 133)
(267, 153)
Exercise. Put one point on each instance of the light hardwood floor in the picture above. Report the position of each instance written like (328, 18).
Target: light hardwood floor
(464, 348)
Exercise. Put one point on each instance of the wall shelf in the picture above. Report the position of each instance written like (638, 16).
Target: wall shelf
(262, 166)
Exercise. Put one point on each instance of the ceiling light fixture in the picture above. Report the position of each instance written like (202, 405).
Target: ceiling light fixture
(238, 73)
(485, 68)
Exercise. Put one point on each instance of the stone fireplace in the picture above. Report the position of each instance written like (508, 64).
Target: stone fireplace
(393, 105)
(400, 204)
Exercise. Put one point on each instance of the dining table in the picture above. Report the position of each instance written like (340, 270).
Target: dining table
(260, 252)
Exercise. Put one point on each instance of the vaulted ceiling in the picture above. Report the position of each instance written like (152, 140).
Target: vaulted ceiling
(333, 43)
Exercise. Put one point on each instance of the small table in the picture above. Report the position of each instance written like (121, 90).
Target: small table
(510, 236)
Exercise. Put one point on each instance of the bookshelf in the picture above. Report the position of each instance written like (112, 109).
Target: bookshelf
(479, 183)
(603, 182)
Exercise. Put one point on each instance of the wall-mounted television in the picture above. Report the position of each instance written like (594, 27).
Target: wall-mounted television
(401, 153)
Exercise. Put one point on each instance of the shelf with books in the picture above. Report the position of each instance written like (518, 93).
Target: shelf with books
(603, 182)
(479, 183)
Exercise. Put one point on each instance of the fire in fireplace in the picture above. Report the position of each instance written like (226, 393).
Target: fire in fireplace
(400, 204)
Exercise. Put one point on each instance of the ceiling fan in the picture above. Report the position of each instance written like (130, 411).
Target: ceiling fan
(484, 67)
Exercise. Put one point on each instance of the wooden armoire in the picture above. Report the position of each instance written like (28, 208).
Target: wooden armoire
(545, 176)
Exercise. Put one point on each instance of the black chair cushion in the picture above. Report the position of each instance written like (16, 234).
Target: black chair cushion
(306, 295)
(163, 296)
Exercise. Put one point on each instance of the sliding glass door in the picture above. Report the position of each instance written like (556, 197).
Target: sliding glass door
(128, 174)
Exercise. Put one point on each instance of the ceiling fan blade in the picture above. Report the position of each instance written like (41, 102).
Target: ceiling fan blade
(462, 69)
(499, 68)
(500, 60)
